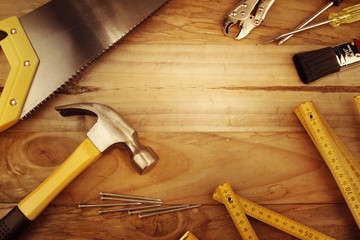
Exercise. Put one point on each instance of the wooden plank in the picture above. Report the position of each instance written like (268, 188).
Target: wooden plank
(290, 167)
(204, 110)
(207, 222)
(215, 109)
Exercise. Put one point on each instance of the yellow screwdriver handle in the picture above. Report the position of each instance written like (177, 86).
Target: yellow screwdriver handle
(33, 204)
(347, 15)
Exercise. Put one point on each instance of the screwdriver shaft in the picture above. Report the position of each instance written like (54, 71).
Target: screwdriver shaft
(271, 39)
(326, 7)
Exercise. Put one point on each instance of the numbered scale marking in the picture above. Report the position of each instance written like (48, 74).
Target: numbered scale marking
(224, 191)
(342, 165)
(236, 211)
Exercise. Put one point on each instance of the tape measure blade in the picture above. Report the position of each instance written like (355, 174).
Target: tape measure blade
(236, 212)
(318, 129)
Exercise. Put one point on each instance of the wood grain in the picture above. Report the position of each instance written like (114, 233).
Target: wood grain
(214, 109)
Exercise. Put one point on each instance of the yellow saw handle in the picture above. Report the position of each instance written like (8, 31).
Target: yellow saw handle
(23, 62)
(33, 204)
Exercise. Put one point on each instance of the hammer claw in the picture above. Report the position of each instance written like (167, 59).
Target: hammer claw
(110, 129)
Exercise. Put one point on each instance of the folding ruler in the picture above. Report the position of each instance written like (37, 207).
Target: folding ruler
(357, 101)
(341, 163)
(188, 236)
(239, 207)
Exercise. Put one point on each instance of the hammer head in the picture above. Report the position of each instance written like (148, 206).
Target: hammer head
(110, 129)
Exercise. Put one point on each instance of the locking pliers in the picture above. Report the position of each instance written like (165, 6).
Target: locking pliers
(249, 14)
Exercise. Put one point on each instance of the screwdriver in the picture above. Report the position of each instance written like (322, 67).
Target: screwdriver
(347, 15)
(326, 7)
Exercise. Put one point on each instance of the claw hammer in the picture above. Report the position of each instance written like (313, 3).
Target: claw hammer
(111, 128)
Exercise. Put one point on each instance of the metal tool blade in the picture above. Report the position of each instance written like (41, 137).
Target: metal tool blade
(67, 35)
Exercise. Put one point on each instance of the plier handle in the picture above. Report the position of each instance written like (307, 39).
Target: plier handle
(249, 14)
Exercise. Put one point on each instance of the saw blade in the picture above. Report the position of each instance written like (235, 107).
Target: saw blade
(68, 35)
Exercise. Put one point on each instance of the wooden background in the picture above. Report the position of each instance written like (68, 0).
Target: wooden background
(215, 109)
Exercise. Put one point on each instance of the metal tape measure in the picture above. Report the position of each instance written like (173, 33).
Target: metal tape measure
(224, 192)
(342, 165)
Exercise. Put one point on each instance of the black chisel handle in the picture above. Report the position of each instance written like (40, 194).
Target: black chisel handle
(13, 224)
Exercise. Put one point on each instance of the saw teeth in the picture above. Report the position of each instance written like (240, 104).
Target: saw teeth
(90, 62)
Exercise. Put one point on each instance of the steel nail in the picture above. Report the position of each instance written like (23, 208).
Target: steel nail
(168, 211)
(129, 196)
(127, 209)
(129, 200)
(107, 205)
(157, 209)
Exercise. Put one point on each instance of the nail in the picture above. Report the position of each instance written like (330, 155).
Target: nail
(157, 209)
(129, 200)
(107, 205)
(129, 196)
(168, 211)
(127, 209)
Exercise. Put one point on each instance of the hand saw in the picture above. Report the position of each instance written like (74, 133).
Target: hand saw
(50, 45)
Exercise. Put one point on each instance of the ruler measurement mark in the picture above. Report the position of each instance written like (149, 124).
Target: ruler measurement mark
(270, 217)
(344, 168)
(342, 165)
(236, 212)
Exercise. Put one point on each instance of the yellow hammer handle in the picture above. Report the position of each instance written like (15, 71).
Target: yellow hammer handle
(33, 204)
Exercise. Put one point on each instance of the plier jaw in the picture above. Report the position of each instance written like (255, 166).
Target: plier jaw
(249, 14)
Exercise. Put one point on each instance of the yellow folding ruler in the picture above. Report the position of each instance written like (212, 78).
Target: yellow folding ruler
(239, 207)
(357, 101)
(342, 165)
(188, 236)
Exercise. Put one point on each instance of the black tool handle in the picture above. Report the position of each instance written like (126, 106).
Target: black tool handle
(13, 224)
(337, 2)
